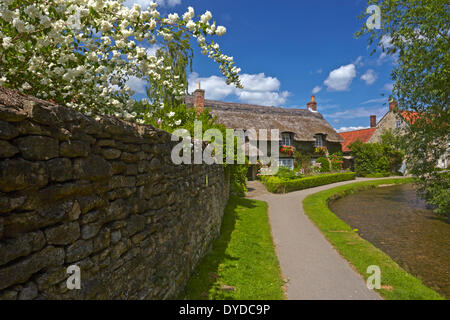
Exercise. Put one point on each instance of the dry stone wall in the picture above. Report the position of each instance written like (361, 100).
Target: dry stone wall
(102, 194)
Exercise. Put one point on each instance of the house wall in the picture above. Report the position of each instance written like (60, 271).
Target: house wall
(389, 121)
(103, 195)
(308, 147)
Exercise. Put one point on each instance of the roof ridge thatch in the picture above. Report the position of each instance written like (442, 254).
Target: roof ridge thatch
(303, 123)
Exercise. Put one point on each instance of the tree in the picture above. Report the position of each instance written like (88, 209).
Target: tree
(416, 34)
(82, 53)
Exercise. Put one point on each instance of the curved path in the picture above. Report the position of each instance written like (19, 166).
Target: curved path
(312, 267)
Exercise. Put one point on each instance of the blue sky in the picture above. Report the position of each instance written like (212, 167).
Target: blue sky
(288, 50)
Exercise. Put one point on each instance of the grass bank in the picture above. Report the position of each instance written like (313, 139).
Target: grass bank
(242, 264)
(397, 284)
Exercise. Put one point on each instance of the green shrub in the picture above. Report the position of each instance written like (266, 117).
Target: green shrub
(277, 185)
(324, 164)
(336, 161)
(286, 173)
(374, 158)
(378, 175)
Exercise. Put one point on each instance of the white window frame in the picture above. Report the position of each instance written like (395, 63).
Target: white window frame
(286, 139)
(319, 141)
(398, 124)
(286, 163)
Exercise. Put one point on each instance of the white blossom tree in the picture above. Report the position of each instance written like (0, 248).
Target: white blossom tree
(81, 53)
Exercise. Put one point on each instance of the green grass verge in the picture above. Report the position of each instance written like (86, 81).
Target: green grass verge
(397, 284)
(242, 258)
(278, 185)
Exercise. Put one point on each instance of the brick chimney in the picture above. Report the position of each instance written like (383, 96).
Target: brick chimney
(393, 105)
(373, 121)
(312, 105)
(199, 99)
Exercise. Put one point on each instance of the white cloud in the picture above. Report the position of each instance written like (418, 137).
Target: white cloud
(371, 101)
(316, 90)
(259, 82)
(258, 89)
(369, 77)
(145, 3)
(358, 62)
(215, 87)
(388, 87)
(340, 79)
(152, 50)
(346, 129)
(137, 85)
(264, 98)
(361, 112)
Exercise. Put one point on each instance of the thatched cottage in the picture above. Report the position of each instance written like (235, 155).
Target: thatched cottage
(303, 129)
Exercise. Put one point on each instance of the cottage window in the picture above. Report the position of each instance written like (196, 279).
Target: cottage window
(286, 163)
(286, 139)
(319, 141)
(398, 124)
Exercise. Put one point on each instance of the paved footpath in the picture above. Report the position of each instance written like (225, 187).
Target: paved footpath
(313, 268)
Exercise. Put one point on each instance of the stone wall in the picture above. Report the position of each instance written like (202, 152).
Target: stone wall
(102, 194)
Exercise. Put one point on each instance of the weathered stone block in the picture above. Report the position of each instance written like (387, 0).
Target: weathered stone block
(64, 234)
(74, 149)
(118, 167)
(10, 203)
(28, 292)
(103, 240)
(8, 131)
(135, 224)
(89, 231)
(23, 270)
(60, 169)
(38, 147)
(79, 250)
(129, 157)
(116, 236)
(7, 150)
(88, 203)
(132, 170)
(93, 168)
(111, 154)
(23, 245)
(18, 174)
(51, 277)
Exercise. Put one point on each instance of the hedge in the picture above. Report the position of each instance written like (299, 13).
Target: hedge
(277, 185)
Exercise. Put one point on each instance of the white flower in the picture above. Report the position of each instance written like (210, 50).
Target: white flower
(221, 31)
(7, 42)
(173, 17)
(178, 122)
(171, 114)
(190, 25)
(206, 17)
(26, 86)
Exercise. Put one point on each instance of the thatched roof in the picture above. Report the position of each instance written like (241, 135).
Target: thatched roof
(303, 123)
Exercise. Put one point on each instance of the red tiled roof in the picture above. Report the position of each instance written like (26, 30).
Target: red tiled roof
(409, 116)
(363, 135)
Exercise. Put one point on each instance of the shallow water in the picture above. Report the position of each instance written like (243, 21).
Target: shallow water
(398, 222)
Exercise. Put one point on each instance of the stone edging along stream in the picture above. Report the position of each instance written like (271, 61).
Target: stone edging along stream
(396, 283)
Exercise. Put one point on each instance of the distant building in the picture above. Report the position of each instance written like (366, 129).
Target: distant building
(392, 120)
(303, 129)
